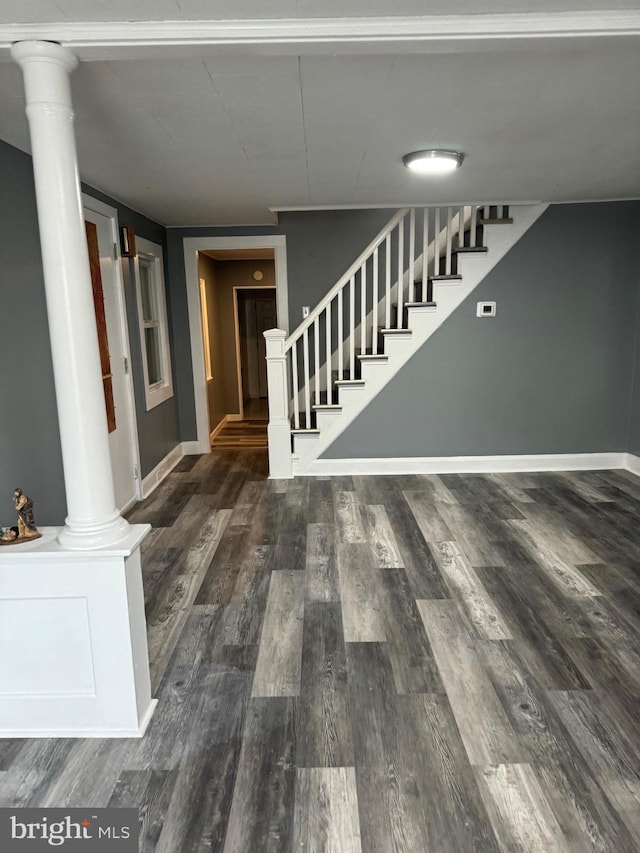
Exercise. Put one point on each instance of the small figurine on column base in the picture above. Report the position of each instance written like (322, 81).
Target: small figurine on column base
(26, 529)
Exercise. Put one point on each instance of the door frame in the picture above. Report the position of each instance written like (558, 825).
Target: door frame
(191, 247)
(93, 204)
(236, 321)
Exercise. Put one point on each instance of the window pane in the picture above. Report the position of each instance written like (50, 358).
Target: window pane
(154, 362)
(147, 291)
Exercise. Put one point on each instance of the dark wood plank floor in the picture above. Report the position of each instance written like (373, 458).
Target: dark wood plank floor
(376, 664)
(241, 434)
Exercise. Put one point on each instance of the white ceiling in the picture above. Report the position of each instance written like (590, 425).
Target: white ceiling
(221, 138)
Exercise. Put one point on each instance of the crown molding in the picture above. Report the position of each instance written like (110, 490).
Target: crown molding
(116, 40)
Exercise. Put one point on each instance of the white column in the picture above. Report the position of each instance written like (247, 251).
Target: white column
(279, 429)
(93, 520)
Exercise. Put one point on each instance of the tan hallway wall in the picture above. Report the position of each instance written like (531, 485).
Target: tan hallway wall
(216, 395)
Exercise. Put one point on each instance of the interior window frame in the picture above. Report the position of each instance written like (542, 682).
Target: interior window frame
(151, 254)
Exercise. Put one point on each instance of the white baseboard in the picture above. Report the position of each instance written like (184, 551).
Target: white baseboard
(632, 463)
(164, 467)
(86, 733)
(129, 504)
(473, 464)
(195, 448)
(221, 425)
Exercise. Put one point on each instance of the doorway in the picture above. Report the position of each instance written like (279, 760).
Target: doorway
(194, 247)
(102, 229)
(255, 310)
(238, 303)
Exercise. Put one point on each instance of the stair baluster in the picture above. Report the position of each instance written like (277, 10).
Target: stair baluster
(363, 308)
(328, 351)
(425, 253)
(374, 331)
(387, 290)
(449, 240)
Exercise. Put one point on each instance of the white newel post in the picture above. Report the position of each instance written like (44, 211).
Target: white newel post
(73, 645)
(279, 429)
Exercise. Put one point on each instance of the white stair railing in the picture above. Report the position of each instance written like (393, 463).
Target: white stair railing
(417, 246)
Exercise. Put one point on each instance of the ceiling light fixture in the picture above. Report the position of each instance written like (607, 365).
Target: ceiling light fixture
(433, 161)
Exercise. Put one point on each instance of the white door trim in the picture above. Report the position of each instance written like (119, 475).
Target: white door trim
(236, 340)
(90, 203)
(193, 245)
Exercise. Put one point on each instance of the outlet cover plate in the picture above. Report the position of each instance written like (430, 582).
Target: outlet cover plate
(486, 309)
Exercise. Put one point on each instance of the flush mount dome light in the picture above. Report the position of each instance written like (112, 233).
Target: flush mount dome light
(433, 161)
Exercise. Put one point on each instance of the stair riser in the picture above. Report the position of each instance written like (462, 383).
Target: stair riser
(370, 369)
(412, 313)
(324, 419)
(304, 444)
(395, 345)
(347, 394)
(406, 316)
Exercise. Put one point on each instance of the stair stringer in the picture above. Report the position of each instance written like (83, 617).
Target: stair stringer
(422, 324)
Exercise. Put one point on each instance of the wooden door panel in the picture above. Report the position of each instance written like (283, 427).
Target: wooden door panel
(101, 322)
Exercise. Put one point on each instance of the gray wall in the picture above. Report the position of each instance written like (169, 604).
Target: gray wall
(552, 373)
(321, 245)
(30, 456)
(633, 441)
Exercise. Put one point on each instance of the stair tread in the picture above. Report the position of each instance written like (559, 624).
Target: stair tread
(506, 221)
(349, 382)
(468, 250)
(420, 304)
(452, 277)
(327, 406)
(395, 331)
(303, 431)
(374, 355)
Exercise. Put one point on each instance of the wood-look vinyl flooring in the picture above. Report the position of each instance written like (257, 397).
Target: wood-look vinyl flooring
(376, 665)
(248, 433)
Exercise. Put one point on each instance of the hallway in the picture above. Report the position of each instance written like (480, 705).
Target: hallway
(251, 431)
(376, 664)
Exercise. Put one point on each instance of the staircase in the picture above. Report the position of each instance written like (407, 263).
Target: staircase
(402, 287)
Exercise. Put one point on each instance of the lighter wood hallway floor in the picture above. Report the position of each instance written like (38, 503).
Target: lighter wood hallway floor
(376, 664)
